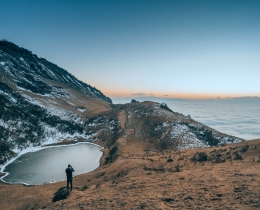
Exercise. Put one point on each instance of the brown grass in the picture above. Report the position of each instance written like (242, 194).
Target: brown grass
(141, 178)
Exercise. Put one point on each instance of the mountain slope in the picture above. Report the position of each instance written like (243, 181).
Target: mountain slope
(40, 102)
(44, 104)
(27, 71)
(157, 123)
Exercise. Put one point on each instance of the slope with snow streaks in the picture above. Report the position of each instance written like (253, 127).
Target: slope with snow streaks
(23, 118)
(171, 129)
(42, 103)
(27, 71)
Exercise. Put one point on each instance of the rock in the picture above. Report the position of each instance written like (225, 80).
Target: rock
(168, 199)
(134, 101)
(155, 169)
(112, 155)
(84, 188)
(169, 160)
(244, 149)
(61, 194)
(188, 198)
(164, 106)
(200, 157)
(177, 168)
(237, 156)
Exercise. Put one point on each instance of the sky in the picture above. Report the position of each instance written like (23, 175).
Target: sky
(160, 48)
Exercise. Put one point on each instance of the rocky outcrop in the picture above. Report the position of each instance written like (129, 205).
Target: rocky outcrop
(61, 194)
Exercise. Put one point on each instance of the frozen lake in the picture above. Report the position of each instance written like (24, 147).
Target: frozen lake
(49, 164)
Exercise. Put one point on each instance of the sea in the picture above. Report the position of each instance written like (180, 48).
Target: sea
(238, 117)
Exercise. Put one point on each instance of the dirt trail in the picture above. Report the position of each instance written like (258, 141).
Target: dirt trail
(122, 119)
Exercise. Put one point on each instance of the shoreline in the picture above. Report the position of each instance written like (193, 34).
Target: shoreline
(47, 146)
(2, 174)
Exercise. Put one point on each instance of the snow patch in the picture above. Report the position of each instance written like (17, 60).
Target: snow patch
(3, 124)
(81, 109)
(55, 111)
(70, 103)
(10, 97)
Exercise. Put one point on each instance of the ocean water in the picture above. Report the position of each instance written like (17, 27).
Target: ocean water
(238, 117)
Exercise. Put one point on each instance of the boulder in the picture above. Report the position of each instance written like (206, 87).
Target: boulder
(61, 194)
(134, 101)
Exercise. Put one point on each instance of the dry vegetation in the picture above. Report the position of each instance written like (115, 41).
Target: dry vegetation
(135, 175)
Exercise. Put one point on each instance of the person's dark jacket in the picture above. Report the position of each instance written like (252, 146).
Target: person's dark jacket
(69, 171)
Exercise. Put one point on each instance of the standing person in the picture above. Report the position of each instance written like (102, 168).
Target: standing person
(69, 171)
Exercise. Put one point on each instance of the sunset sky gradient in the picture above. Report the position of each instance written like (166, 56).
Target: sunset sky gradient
(183, 49)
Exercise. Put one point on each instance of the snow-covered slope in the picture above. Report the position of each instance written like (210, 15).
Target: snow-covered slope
(41, 103)
(26, 71)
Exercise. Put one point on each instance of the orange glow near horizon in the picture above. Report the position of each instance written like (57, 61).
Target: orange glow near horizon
(128, 94)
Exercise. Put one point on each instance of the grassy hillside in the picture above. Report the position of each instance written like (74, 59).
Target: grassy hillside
(134, 174)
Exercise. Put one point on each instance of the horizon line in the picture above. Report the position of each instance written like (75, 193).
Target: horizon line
(194, 97)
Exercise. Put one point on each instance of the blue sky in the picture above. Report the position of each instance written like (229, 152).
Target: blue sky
(187, 49)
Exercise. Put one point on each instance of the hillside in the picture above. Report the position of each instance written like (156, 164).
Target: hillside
(41, 103)
(26, 71)
(154, 158)
(136, 175)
